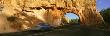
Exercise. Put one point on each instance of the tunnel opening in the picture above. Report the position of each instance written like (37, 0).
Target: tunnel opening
(70, 21)
(72, 18)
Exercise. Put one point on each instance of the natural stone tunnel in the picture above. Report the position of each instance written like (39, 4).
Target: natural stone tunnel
(28, 13)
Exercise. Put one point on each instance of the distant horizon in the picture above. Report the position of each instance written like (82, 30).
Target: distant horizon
(100, 4)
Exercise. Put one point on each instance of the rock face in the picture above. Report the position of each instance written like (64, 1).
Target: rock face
(28, 13)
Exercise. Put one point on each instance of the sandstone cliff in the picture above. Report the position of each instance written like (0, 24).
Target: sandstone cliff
(28, 13)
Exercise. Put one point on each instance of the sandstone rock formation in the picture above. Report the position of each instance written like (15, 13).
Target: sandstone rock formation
(28, 13)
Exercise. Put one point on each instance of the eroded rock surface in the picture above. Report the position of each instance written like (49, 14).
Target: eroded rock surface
(28, 13)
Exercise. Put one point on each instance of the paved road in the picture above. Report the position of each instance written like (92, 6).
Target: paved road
(82, 32)
(61, 33)
(49, 33)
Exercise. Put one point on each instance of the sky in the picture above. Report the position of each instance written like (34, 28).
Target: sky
(100, 4)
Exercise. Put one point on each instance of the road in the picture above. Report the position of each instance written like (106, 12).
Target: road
(49, 33)
(61, 32)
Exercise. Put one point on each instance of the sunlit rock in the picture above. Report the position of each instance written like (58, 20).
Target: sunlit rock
(28, 13)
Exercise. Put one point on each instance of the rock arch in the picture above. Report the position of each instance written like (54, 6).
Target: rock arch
(85, 9)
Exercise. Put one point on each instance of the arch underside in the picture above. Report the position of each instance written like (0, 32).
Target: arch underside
(51, 12)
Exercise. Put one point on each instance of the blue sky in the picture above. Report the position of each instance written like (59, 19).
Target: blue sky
(101, 4)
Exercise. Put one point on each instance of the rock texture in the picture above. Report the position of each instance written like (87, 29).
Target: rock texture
(28, 13)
